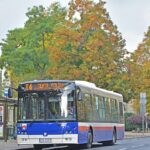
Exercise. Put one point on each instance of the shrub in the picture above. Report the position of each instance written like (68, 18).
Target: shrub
(133, 122)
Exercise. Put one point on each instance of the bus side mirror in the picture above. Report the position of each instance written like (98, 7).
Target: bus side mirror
(10, 93)
(80, 96)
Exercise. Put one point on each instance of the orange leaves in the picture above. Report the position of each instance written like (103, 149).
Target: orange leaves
(78, 2)
(100, 44)
(113, 38)
(83, 48)
(106, 27)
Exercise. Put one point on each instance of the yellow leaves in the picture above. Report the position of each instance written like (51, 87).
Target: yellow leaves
(75, 73)
(148, 108)
(136, 105)
(146, 83)
(56, 54)
(141, 70)
(83, 49)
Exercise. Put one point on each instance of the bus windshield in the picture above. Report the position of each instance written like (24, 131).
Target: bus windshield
(48, 105)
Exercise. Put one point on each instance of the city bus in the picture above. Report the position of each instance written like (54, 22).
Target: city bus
(70, 113)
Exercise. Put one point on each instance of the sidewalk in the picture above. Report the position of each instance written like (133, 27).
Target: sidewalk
(136, 134)
(12, 145)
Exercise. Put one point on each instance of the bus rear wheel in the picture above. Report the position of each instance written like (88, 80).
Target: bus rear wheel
(114, 138)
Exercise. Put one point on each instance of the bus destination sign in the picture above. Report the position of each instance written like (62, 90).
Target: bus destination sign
(44, 86)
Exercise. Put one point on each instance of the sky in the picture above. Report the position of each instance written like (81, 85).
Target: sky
(131, 16)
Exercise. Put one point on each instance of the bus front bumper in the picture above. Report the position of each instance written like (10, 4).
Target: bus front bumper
(49, 139)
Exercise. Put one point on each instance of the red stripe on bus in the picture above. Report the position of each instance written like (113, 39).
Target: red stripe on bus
(102, 128)
(85, 128)
(120, 128)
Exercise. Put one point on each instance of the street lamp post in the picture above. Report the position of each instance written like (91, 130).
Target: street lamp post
(143, 107)
(146, 123)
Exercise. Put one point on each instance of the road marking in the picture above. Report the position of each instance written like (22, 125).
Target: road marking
(123, 149)
(137, 146)
(56, 147)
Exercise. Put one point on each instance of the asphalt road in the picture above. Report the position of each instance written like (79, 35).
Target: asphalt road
(127, 144)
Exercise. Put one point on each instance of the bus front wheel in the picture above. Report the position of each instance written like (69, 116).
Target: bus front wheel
(90, 140)
(37, 147)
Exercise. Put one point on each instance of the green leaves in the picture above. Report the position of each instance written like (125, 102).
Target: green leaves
(25, 50)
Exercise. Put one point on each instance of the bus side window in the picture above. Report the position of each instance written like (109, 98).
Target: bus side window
(102, 108)
(114, 110)
(97, 102)
(121, 111)
(81, 110)
(107, 108)
(88, 111)
(117, 111)
(95, 106)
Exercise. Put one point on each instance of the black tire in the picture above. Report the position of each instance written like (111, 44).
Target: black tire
(37, 147)
(73, 147)
(90, 140)
(114, 138)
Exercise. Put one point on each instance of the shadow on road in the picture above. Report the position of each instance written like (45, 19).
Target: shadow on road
(79, 147)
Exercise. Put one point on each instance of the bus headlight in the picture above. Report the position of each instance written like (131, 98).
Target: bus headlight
(24, 139)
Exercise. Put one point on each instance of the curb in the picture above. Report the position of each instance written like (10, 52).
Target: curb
(136, 135)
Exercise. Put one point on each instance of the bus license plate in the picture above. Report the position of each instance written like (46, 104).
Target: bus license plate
(44, 140)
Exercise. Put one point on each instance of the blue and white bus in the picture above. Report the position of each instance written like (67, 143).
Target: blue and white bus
(68, 112)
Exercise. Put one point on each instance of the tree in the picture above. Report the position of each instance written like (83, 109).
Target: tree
(25, 50)
(89, 47)
(141, 70)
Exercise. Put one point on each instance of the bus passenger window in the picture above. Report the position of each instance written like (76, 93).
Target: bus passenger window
(81, 110)
(88, 106)
(96, 102)
(121, 109)
(95, 106)
(102, 108)
(71, 106)
(107, 102)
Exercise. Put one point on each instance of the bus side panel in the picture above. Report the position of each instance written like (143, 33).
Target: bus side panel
(101, 132)
(82, 133)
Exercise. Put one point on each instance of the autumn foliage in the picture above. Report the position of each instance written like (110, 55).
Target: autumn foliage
(141, 69)
(78, 43)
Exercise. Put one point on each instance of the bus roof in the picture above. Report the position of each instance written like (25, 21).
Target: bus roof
(77, 82)
(45, 81)
(93, 86)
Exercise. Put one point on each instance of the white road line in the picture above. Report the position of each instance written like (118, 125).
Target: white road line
(123, 149)
(137, 146)
(56, 147)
